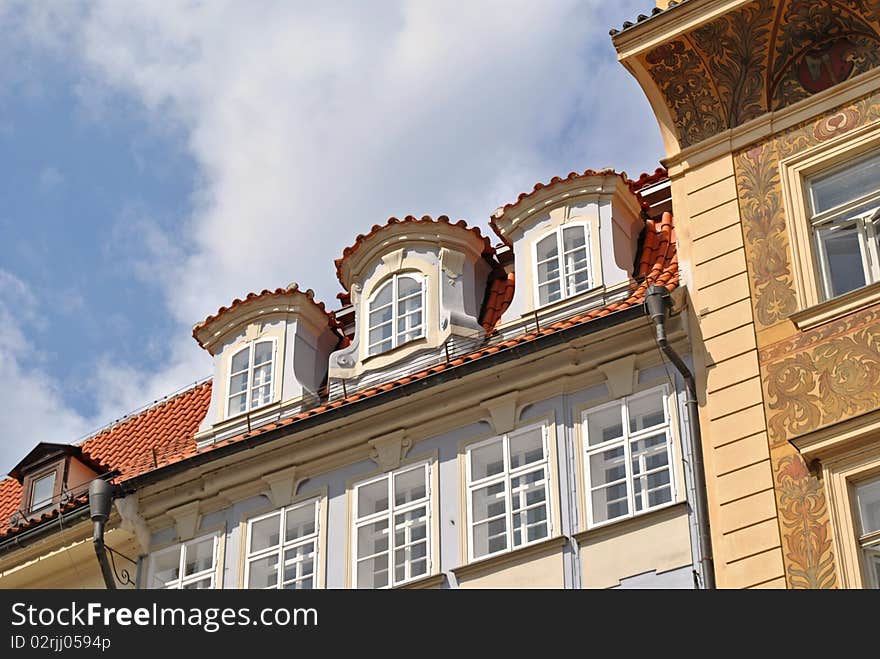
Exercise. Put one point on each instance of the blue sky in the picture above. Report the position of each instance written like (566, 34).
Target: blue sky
(161, 158)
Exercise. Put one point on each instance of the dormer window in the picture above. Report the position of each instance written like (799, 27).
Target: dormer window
(42, 491)
(251, 377)
(562, 260)
(396, 313)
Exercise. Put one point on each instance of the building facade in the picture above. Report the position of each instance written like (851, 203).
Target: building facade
(519, 411)
(770, 113)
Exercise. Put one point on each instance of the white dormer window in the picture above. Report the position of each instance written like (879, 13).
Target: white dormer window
(396, 312)
(251, 372)
(562, 263)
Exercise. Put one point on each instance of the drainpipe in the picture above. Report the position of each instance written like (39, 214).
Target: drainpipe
(101, 494)
(657, 304)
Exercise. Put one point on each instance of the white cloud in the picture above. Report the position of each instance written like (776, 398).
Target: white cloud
(50, 178)
(36, 408)
(310, 122)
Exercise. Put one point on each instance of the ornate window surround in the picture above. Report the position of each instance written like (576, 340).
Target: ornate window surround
(794, 172)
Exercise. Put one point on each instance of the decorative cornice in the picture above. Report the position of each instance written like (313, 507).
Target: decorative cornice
(186, 520)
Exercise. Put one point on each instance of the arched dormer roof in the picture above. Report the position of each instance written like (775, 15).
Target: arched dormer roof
(254, 305)
(381, 238)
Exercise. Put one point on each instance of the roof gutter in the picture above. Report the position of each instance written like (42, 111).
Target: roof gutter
(503, 356)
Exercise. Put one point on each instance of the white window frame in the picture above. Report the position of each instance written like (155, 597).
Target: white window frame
(505, 476)
(560, 257)
(181, 581)
(389, 514)
(250, 345)
(282, 546)
(626, 439)
(869, 542)
(840, 215)
(396, 337)
(43, 503)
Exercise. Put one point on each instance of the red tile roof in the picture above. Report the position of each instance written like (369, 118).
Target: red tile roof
(634, 186)
(497, 300)
(129, 446)
(409, 219)
(265, 293)
(165, 434)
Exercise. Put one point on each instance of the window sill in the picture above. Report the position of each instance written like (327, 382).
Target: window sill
(483, 565)
(424, 583)
(831, 309)
(565, 302)
(395, 353)
(628, 524)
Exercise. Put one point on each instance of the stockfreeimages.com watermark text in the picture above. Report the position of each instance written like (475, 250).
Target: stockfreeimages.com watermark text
(212, 619)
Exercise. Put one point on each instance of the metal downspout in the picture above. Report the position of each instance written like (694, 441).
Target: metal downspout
(101, 495)
(657, 303)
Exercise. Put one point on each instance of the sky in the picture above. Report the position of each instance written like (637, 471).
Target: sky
(159, 159)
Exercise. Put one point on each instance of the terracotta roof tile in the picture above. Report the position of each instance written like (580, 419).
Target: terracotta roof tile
(634, 186)
(409, 219)
(128, 446)
(165, 433)
(265, 293)
(498, 299)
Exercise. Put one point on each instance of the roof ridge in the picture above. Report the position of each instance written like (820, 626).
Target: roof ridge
(143, 409)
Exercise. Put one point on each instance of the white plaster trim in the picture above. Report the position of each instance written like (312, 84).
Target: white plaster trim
(620, 374)
(502, 411)
(388, 450)
(133, 522)
(186, 520)
(282, 486)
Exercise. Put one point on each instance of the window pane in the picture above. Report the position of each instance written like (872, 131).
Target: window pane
(607, 466)
(299, 565)
(240, 360)
(548, 293)
(199, 556)
(201, 584)
(299, 522)
(855, 180)
(548, 271)
(609, 502)
(166, 567)
(573, 237)
(868, 496)
(381, 335)
(409, 486)
(843, 258)
(264, 572)
(237, 404)
(487, 460)
(383, 297)
(372, 498)
(381, 315)
(873, 560)
(604, 425)
(528, 494)
(263, 353)
(372, 538)
(43, 491)
(490, 537)
(488, 502)
(646, 412)
(547, 248)
(264, 533)
(238, 383)
(261, 396)
(407, 286)
(526, 448)
(262, 375)
(409, 305)
(373, 572)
